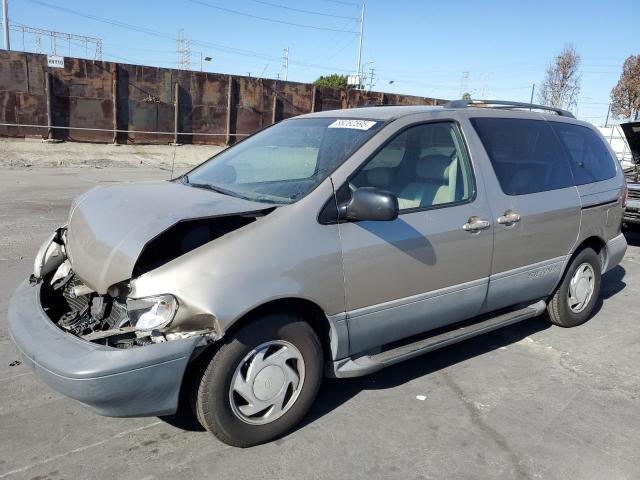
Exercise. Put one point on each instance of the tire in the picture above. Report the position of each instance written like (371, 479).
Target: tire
(221, 409)
(559, 311)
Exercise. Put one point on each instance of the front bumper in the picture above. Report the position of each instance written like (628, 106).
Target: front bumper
(141, 381)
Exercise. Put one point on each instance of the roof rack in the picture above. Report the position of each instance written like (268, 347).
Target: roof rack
(505, 104)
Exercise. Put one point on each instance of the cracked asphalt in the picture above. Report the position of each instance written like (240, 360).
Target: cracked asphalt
(529, 401)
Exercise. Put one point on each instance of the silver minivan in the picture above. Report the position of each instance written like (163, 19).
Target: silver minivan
(334, 243)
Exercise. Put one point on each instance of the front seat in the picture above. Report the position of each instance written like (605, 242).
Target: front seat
(431, 185)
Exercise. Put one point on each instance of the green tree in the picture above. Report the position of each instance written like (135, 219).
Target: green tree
(466, 96)
(334, 81)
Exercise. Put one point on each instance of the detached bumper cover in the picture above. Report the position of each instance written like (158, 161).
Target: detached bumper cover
(142, 381)
(616, 248)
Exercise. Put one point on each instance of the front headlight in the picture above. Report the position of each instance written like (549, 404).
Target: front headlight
(151, 313)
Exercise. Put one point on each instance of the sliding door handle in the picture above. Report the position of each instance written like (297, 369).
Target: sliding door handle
(510, 217)
(476, 224)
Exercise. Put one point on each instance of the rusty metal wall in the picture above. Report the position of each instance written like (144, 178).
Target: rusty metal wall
(116, 96)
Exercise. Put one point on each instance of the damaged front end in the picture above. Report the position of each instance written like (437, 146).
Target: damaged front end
(114, 319)
(105, 318)
(117, 318)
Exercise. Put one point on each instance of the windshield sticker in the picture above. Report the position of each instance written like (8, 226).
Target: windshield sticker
(354, 124)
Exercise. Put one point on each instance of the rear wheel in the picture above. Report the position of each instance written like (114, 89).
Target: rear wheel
(573, 302)
(261, 381)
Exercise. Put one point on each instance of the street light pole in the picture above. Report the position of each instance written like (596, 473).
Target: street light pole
(5, 23)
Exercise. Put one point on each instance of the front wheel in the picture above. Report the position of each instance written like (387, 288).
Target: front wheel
(573, 302)
(261, 381)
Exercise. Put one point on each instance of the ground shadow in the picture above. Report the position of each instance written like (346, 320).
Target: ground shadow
(335, 392)
(632, 234)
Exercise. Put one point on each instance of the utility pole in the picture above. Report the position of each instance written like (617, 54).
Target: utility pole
(285, 64)
(360, 45)
(606, 122)
(533, 89)
(371, 77)
(5, 23)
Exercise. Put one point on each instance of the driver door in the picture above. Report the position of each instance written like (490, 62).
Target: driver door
(430, 266)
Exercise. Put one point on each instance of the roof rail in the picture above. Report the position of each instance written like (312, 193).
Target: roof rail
(505, 104)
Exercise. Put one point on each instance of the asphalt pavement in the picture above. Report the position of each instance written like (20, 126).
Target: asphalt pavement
(528, 401)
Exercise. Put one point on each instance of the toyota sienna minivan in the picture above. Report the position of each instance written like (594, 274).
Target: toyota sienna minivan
(330, 244)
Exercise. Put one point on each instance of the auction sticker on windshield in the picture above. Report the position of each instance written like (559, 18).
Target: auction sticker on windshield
(354, 124)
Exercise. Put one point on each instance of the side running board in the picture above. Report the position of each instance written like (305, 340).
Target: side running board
(365, 364)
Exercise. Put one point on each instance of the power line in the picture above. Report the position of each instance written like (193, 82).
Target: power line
(266, 19)
(159, 34)
(301, 10)
(343, 2)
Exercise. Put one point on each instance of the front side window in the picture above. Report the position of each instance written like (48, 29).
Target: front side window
(590, 159)
(526, 155)
(284, 162)
(424, 166)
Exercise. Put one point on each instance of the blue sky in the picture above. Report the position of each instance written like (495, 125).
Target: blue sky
(422, 46)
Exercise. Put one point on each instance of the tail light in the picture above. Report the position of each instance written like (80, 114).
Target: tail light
(625, 195)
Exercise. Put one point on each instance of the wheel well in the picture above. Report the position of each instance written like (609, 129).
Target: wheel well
(598, 245)
(306, 310)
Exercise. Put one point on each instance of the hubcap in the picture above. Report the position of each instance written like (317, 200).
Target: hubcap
(581, 288)
(267, 382)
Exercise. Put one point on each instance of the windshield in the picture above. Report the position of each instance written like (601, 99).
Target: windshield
(283, 163)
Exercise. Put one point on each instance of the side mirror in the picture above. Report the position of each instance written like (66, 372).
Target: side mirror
(369, 203)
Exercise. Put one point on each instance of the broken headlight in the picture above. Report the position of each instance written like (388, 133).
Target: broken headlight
(151, 313)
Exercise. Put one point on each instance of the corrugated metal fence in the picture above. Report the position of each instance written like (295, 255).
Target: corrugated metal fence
(115, 102)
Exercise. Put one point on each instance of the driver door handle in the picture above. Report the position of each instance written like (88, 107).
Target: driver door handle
(476, 224)
(510, 217)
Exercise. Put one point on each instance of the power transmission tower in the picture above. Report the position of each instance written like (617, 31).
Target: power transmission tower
(484, 82)
(184, 51)
(70, 38)
(464, 83)
(285, 64)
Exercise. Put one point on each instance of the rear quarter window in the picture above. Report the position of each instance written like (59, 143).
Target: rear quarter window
(526, 155)
(589, 158)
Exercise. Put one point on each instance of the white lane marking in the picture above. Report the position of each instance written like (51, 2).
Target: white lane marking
(15, 376)
(78, 450)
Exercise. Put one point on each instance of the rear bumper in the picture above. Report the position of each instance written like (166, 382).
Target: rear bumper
(142, 381)
(616, 248)
(632, 212)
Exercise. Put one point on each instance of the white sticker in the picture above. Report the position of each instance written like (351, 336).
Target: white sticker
(351, 123)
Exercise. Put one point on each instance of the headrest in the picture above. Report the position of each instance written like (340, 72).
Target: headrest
(379, 177)
(434, 168)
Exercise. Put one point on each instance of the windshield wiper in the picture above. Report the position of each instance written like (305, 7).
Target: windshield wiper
(208, 186)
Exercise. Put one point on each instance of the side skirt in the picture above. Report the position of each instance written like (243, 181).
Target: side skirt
(364, 364)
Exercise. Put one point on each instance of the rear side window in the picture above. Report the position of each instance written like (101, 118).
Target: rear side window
(526, 154)
(589, 157)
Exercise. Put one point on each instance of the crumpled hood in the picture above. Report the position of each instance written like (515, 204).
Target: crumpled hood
(109, 226)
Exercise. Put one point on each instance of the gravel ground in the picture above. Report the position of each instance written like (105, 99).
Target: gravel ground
(36, 153)
(528, 401)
